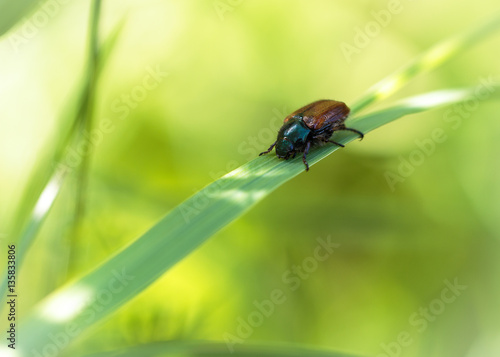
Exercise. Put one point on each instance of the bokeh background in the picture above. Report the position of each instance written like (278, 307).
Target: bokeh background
(227, 70)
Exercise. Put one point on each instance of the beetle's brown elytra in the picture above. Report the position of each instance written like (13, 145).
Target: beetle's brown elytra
(309, 126)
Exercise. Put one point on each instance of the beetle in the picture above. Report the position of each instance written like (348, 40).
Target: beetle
(310, 126)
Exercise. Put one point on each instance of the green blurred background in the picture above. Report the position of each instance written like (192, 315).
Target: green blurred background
(228, 71)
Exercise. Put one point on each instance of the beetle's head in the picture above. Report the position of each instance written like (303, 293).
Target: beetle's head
(284, 148)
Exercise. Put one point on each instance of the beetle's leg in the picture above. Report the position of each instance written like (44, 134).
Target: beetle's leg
(304, 160)
(336, 143)
(361, 135)
(294, 153)
(268, 150)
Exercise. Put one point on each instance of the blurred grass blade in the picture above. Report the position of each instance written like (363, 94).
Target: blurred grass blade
(81, 304)
(11, 12)
(215, 349)
(40, 212)
(86, 125)
(54, 179)
(109, 44)
(427, 61)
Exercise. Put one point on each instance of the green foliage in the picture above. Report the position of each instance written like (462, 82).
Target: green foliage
(13, 11)
(184, 228)
(195, 348)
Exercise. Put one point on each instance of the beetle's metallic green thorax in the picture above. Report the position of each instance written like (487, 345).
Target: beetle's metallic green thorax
(292, 137)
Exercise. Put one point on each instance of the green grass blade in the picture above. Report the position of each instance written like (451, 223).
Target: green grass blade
(86, 124)
(427, 61)
(38, 216)
(80, 304)
(55, 179)
(215, 349)
(11, 12)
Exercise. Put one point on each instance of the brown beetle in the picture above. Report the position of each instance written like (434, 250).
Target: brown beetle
(311, 125)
